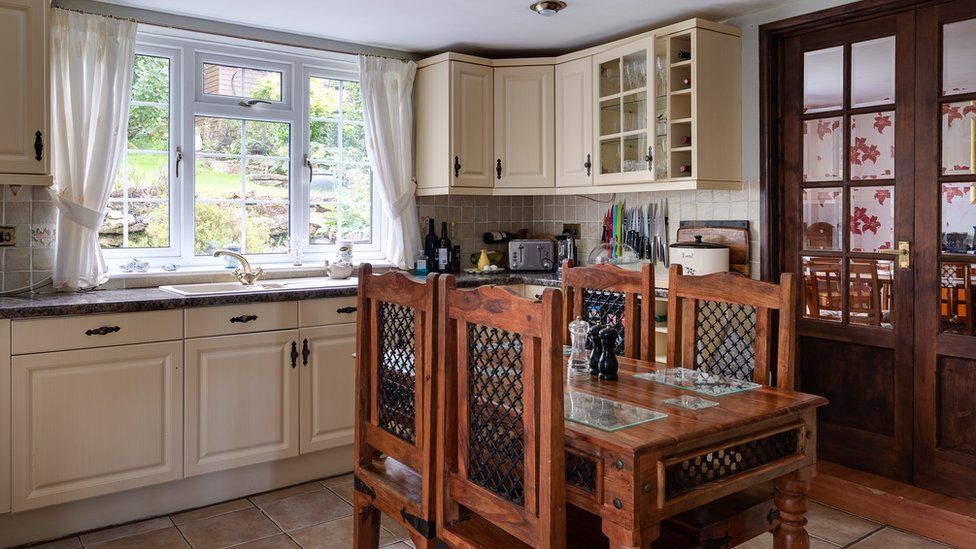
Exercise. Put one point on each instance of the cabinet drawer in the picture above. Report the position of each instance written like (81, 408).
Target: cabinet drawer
(38, 335)
(241, 319)
(332, 310)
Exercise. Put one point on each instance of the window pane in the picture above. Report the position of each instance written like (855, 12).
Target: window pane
(111, 233)
(956, 297)
(267, 180)
(872, 218)
(352, 102)
(323, 185)
(267, 228)
(324, 137)
(150, 79)
(355, 222)
(218, 177)
(267, 138)
(217, 225)
(822, 214)
(958, 52)
(823, 149)
(323, 98)
(823, 80)
(822, 297)
(323, 224)
(148, 128)
(958, 146)
(218, 135)
(869, 300)
(150, 226)
(873, 145)
(958, 218)
(241, 82)
(353, 143)
(147, 175)
(873, 72)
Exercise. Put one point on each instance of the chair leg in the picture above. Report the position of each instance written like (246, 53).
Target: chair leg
(420, 542)
(366, 528)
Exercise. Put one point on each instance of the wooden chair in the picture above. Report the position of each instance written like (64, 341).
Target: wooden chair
(501, 464)
(395, 418)
(615, 296)
(954, 298)
(822, 288)
(819, 236)
(864, 301)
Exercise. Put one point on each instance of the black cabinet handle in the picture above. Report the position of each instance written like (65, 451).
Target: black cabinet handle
(346, 310)
(588, 164)
(38, 146)
(649, 158)
(104, 330)
(294, 354)
(243, 319)
(498, 168)
(305, 352)
(457, 167)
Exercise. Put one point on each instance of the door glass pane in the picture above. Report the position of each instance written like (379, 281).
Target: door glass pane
(635, 111)
(956, 297)
(635, 70)
(635, 153)
(873, 72)
(958, 218)
(958, 146)
(872, 218)
(609, 77)
(873, 145)
(610, 155)
(822, 288)
(958, 52)
(822, 214)
(869, 300)
(823, 79)
(610, 117)
(823, 149)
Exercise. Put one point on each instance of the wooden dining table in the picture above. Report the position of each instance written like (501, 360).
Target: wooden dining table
(635, 477)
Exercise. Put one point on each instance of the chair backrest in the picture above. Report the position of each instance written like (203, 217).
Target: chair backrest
(395, 373)
(820, 236)
(822, 288)
(612, 295)
(865, 292)
(501, 383)
(722, 323)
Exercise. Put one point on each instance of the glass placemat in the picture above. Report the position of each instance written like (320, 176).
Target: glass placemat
(698, 381)
(689, 402)
(605, 414)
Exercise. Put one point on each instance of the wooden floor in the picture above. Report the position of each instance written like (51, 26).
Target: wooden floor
(906, 507)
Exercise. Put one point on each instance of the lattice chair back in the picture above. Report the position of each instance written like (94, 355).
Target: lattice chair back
(723, 323)
(612, 295)
(501, 458)
(395, 418)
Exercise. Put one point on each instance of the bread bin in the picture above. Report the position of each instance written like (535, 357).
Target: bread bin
(700, 258)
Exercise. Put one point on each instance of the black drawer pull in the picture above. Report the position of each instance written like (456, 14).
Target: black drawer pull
(104, 330)
(294, 354)
(244, 319)
(305, 352)
(346, 310)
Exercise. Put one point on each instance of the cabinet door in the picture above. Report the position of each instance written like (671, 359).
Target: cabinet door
(574, 123)
(241, 400)
(4, 416)
(24, 94)
(524, 133)
(96, 421)
(328, 399)
(471, 125)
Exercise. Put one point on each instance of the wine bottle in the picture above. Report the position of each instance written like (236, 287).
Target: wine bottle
(686, 140)
(444, 250)
(497, 237)
(684, 55)
(430, 246)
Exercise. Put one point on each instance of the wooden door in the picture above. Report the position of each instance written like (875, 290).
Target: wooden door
(95, 421)
(471, 125)
(328, 387)
(524, 132)
(945, 221)
(574, 123)
(241, 400)
(848, 176)
(23, 95)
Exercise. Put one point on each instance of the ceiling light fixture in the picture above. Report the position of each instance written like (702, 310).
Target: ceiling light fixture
(548, 8)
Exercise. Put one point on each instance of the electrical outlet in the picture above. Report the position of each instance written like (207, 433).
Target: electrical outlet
(8, 236)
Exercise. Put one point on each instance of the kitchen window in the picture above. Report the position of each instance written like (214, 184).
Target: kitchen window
(233, 144)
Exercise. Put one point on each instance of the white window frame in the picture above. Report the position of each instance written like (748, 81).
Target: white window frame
(187, 101)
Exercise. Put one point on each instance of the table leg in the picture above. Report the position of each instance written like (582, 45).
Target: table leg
(366, 528)
(626, 538)
(791, 501)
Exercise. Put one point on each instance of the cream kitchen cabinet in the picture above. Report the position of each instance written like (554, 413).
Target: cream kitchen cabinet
(574, 123)
(95, 421)
(523, 129)
(328, 387)
(24, 95)
(241, 400)
(4, 416)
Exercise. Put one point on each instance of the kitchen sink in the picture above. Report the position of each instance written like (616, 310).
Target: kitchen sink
(231, 288)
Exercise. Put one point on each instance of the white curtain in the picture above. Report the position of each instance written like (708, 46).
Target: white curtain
(91, 73)
(387, 85)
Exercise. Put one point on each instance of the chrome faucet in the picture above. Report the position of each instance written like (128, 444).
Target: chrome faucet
(243, 273)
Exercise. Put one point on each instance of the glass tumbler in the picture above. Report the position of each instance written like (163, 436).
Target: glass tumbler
(579, 356)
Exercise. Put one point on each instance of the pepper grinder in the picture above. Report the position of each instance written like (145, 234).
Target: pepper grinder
(594, 338)
(608, 358)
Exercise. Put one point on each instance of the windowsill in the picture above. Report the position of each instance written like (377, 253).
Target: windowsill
(272, 270)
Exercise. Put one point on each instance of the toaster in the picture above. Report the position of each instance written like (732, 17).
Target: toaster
(531, 255)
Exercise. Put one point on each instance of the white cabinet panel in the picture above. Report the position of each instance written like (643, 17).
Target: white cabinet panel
(471, 124)
(4, 416)
(328, 399)
(241, 400)
(524, 132)
(97, 421)
(574, 123)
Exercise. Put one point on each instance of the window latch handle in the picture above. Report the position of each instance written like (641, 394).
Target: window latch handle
(179, 159)
(252, 102)
(308, 164)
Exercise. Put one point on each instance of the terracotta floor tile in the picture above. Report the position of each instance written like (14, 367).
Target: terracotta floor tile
(211, 511)
(306, 509)
(341, 479)
(398, 545)
(268, 497)
(344, 491)
(126, 530)
(393, 527)
(889, 538)
(281, 541)
(837, 526)
(336, 534)
(765, 541)
(229, 529)
(70, 542)
(167, 538)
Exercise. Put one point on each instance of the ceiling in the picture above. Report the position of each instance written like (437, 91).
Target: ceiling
(488, 27)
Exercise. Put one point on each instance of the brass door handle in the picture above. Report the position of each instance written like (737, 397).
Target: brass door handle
(904, 253)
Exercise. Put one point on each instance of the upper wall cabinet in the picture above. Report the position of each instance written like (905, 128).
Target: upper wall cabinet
(24, 94)
(524, 131)
(574, 123)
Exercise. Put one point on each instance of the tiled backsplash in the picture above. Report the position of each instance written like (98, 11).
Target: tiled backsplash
(35, 219)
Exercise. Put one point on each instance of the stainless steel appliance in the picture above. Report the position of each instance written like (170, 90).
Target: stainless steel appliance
(531, 255)
(565, 249)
